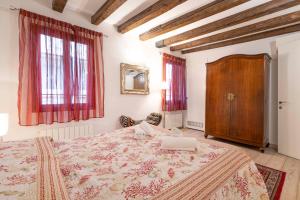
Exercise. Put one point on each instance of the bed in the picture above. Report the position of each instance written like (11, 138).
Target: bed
(118, 165)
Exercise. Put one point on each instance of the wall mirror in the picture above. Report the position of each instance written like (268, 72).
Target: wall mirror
(134, 79)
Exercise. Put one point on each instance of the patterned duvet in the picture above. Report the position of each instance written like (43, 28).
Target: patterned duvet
(118, 165)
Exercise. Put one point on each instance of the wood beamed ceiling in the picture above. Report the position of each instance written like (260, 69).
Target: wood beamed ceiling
(278, 25)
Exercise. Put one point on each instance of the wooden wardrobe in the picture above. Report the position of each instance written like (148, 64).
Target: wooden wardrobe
(237, 99)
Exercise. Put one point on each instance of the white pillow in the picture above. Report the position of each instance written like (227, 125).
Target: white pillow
(147, 128)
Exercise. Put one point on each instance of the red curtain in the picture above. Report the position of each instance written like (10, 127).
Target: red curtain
(174, 97)
(61, 71)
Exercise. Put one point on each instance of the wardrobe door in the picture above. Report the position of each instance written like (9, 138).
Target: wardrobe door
(217, 105)
(247, 106)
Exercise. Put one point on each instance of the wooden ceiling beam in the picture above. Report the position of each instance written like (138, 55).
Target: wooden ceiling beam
(238, 32)
(258, 36)
(106, 10)
(247, 15)
(59, 5)
(203, 12)
(149, 13)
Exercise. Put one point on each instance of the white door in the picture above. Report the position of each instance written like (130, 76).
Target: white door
(289, 99)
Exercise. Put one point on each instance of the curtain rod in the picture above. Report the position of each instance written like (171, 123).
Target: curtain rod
(13, 8)
(162, 52)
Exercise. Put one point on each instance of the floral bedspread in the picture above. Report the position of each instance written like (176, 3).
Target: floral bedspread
(118, 165)
(30, 171)
(18, 166)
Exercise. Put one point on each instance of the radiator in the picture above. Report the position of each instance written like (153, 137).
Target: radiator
(173, 119)
(68, 132)
(195, 125)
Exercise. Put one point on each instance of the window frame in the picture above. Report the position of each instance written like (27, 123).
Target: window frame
(66, 106)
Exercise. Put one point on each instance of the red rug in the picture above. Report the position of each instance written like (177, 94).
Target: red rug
(274, 180)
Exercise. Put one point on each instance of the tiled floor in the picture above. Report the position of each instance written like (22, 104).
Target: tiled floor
(271, 158)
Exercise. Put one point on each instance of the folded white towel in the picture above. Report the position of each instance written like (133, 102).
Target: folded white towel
(139, 131)
(179, 143)
(147, 128)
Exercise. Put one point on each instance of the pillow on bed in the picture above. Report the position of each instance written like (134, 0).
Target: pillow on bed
(179, 143)
(147, 128)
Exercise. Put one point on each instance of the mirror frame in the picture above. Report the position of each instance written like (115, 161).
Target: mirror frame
(123, 68)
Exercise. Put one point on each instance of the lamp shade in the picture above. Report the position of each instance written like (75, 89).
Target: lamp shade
(3, 124)
(164, 85)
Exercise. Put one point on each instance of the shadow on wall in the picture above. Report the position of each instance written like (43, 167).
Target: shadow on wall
(273, 92)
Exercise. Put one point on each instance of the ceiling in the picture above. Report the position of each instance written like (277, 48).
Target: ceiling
(132, 7)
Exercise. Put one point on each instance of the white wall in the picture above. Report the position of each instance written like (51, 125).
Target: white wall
(117, 49)
(196, 78)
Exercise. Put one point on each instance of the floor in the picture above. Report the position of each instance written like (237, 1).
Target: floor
(271, 158)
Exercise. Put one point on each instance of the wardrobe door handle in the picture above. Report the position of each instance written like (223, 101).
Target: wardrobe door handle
(230, 96)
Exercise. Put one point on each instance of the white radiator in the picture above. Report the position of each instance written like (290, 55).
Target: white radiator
(194, 125)
(68, 132)
(174, 119)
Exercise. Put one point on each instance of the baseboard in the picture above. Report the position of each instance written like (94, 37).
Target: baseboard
(273, 146)
(194, 128)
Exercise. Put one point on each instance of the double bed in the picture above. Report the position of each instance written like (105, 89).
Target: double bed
(118, 165)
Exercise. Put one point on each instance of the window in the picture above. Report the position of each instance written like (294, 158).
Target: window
(174, 74)
(53, 71)
(168, 81)
(52, 77)
(61, 71)
(81, 73)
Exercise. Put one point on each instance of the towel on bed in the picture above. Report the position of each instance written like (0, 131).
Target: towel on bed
(179, 143)
(143, 129)
(147, 128)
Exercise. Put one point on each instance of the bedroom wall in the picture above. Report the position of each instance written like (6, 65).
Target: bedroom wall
(117, 48)
(196, 78)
